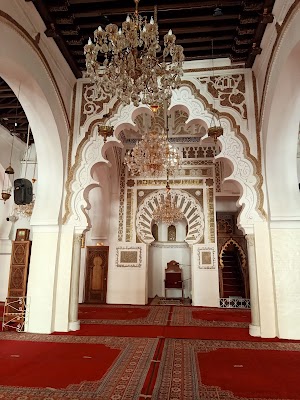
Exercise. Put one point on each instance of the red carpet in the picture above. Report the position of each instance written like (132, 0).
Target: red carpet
(50, 363)
(112, 313)
(212, 317)
(229, 315)
(123, 315)
(196, 369)
(59, 367)
(143, 352)
(257, 373)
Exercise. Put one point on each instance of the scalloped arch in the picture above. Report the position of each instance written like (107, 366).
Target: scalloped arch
(185, 201)
(234, 146)
(240, 250)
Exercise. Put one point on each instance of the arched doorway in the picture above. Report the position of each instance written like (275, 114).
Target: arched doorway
(25, 70)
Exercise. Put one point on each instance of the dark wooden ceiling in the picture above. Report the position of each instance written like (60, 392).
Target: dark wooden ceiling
(235, 26)
(236, 30)
(12, 115)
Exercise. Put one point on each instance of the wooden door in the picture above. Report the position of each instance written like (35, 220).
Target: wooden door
(96, 274)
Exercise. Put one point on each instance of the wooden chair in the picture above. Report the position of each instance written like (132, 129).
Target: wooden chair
(173, 277)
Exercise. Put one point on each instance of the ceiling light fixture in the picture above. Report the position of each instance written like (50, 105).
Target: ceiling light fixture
(167, 211)
(153, 156)
(131, 68)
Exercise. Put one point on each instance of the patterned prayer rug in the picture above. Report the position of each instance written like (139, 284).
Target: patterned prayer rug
(123, 379)
(211, 317)
(223, 370)
(124, 315)
(169, 302)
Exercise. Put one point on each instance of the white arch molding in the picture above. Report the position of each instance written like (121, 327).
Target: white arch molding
(23, 68)
(234, 147)
(188, 205)
(280, 122)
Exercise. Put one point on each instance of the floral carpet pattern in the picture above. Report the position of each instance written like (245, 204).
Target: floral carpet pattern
(155, 316)
(204, 316)
(179, 376)
(181, 361)
(124, 380)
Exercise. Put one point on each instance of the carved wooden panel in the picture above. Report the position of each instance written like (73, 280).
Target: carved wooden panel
(96, 274)
(20, 256)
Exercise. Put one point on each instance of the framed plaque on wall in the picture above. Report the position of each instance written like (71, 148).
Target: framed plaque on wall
(22, 234)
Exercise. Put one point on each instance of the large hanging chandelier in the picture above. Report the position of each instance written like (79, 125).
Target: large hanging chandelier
(167, 211)
(131, 68)
(153, 156)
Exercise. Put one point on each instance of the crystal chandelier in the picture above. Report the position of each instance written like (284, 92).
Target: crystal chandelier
(153, 156)
(167, 211)
(24, 210)
(131, 69)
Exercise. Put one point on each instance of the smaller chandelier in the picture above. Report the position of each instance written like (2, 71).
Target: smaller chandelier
(214, 132)
(131, 68)
(167, 212)
(105, 131)
(152, 156)
(24, 210)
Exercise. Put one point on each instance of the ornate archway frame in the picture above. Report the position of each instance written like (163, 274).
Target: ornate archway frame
(185, 201)
(234, 147)
(243, 264)
(27, 71)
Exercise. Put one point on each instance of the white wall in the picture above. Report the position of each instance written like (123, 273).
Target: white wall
(160, 253)
(205, 278)
(127, 285)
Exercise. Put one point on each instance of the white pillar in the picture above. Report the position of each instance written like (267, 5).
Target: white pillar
(254, 328)
(74, 323)
(41, 289)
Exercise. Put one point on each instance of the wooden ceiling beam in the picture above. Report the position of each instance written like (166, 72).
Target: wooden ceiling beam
(7, 95)
(168, 21)
(186, 30)
(160, 6)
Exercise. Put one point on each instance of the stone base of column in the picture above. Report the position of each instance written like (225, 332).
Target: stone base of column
(254, 330)
(74, 326)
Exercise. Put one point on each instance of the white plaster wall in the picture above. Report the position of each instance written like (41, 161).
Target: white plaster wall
(127, 285)
(205, 282)
(226, 203)
(160, 253)
(286, 256)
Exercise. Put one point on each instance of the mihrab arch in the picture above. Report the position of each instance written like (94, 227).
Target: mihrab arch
(188, 205)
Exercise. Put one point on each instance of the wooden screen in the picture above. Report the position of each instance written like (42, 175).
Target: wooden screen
(20, 255)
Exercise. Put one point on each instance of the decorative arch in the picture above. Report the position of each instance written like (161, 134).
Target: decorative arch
(279, 118)
(25, 69)
(234, 147)
(185, 201)
(240, 250)
(243, 261)
(91, 153)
